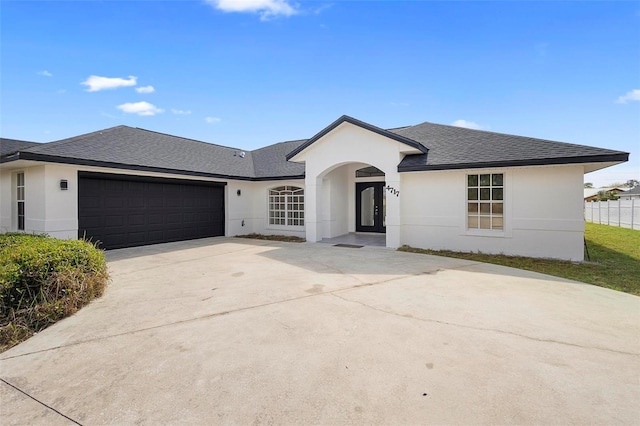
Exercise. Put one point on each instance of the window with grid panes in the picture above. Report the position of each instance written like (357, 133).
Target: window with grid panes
(20, 200)
(286, 206)
(485, 201)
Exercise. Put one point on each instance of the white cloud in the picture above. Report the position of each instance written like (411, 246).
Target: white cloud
(266, 8)
(633, 95)
(96, 83)
(45, 73)
(140, 108)
(145, 89)
(180, 111)
(467, 125)
(212, 120)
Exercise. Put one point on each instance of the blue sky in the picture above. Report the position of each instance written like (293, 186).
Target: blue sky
(248, 73)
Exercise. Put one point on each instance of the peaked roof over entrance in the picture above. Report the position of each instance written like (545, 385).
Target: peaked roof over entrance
(346, 119)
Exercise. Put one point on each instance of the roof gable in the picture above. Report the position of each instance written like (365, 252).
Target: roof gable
(346, 119)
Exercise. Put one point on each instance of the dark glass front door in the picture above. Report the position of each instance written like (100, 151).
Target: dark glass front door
(370, 207)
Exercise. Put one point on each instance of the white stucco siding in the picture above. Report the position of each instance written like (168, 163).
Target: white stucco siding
(35, 199)
(543, 212)
(335, 202)
(6, 200)
(240, 208)
(57, 216)
(548, 198)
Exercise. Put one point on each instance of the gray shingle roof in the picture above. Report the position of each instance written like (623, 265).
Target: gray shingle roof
(453, 147)
(9, 146)
(271, 160)
(143, 149)
(633, 191)
(443, 147)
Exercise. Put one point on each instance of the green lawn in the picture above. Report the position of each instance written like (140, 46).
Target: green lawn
(614, 259)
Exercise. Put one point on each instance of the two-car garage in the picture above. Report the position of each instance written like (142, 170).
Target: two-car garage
(127, 211)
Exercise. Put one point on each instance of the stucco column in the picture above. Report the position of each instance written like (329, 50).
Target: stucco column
(312, 208)
(393, 193)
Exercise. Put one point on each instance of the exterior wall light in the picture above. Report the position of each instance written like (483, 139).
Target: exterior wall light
(239, 192)
(64, 185)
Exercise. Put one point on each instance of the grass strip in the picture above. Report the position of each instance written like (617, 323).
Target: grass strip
(614, 259)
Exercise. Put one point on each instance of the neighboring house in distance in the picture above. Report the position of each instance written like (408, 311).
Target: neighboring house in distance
(429, 185)
(632, 193)
(591, 194)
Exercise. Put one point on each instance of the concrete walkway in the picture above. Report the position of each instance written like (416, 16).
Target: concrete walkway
(233, 331)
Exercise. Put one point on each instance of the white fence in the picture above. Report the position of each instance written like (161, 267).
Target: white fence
(624, 213)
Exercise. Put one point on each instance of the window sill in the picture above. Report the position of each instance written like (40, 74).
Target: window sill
(495, 233)
(285, 227)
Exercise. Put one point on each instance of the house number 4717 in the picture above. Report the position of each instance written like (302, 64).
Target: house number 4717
(392, 190)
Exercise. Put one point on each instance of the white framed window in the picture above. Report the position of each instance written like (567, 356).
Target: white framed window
(485, 201)
(286, 206)
(20, 201)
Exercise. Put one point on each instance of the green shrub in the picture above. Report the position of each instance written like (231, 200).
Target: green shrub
(43, 280)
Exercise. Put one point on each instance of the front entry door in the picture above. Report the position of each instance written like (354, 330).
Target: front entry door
(370, 207)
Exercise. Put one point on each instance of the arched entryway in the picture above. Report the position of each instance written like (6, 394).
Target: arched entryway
(331, 159)
(352, 205)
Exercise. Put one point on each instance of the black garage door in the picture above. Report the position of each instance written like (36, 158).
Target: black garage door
(127, 211)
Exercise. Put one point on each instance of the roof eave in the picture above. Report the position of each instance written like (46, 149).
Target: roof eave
(12, 156)
(268, 178)
(104, 164)
(84, 162)
(619, 157)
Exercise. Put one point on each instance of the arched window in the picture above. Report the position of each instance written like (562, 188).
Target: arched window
(369, 172)
(286, 206)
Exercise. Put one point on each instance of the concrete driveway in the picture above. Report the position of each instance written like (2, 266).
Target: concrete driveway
(233, 331)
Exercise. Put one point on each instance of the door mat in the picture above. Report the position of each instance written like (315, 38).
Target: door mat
(347, 245)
